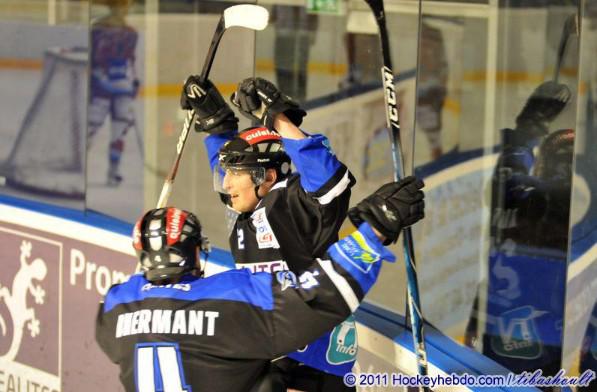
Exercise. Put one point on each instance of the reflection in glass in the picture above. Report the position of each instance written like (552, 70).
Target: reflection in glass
(296, 30)
(115, 145)
(580, 333)
(518, 317)
(114, 83)
(432, 86)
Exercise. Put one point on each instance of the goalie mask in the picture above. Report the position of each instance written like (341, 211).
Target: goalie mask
(168, 242)
(252, 151)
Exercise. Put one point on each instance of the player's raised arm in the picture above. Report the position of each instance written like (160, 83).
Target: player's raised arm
(213, 115)
(323, 176)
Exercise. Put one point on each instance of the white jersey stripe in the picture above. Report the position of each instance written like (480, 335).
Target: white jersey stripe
(336, 190)
(341, 284)
(281, 184)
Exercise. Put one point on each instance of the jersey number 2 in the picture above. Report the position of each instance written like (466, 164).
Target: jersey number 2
(158, 368)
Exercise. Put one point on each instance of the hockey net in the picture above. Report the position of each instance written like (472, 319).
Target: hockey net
(48, 155)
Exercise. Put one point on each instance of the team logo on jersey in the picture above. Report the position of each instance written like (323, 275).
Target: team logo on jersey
(357, 250)
(266, 266)
(518, 337)
(326, 144)
(263, 231)
(287, 279)
(342, 347)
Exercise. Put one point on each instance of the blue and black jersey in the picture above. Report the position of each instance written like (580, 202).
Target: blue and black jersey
(293, 224)
(526, 270)
(219, 333)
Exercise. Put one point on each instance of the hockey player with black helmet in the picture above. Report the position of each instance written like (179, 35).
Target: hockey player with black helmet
(283, 215)
(530, 212)
(170, 329)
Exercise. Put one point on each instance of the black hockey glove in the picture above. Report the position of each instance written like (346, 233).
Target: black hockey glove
(391, 208)
(212, 112)
(543, 106)
(260, 100)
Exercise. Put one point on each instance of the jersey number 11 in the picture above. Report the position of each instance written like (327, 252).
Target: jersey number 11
(158, 367)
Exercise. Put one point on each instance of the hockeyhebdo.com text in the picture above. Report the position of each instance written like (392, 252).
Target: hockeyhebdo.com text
(524, 379)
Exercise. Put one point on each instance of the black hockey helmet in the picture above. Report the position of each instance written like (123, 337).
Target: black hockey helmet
(167, 241)
(556, 152)
(254, 150)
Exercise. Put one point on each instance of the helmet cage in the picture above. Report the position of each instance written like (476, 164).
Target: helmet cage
(168, 241)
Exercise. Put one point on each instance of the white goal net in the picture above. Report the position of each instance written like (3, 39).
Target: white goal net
(48, 155)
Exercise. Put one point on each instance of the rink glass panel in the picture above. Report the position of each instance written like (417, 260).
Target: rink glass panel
(580, 326)
(497, 234)
(43, 94)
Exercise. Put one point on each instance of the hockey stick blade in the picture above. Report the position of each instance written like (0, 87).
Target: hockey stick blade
(249, 16)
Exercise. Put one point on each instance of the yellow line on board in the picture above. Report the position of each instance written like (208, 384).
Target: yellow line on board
(452, 105)
(515, 76)
(8, 63)
(174, 89)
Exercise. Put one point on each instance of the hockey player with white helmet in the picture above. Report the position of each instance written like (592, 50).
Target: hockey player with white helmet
(169, 329)
(286, 219)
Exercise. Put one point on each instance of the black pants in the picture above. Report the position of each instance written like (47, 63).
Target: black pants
(288, 373)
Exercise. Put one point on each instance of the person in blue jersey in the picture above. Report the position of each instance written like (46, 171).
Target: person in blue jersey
(170, 329)
(113, 81)
(530, 212)
(285, 218)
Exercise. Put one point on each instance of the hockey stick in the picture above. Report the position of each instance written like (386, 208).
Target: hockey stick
(394, 129)
(570, 28)
(249, 16)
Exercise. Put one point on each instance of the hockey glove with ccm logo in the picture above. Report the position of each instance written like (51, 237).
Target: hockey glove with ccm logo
(213, 114)
(391, 208)
(260, 100)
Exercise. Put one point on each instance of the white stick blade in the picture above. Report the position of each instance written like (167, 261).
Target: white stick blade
(249, 16)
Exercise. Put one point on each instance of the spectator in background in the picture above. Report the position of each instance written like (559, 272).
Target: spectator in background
(431, 87)
(295, 33)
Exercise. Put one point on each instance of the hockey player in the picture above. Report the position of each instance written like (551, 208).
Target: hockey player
(530, 211)
(169, 329)
(286, 219)
(114, 82)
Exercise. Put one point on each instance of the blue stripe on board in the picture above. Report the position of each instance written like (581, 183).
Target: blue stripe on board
(443, 352)
(88, 217)
(96, 219)
(354, 91)
(451, 158)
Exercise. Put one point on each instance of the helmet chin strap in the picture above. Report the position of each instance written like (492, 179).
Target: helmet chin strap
(256, 188)
(257, 192)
